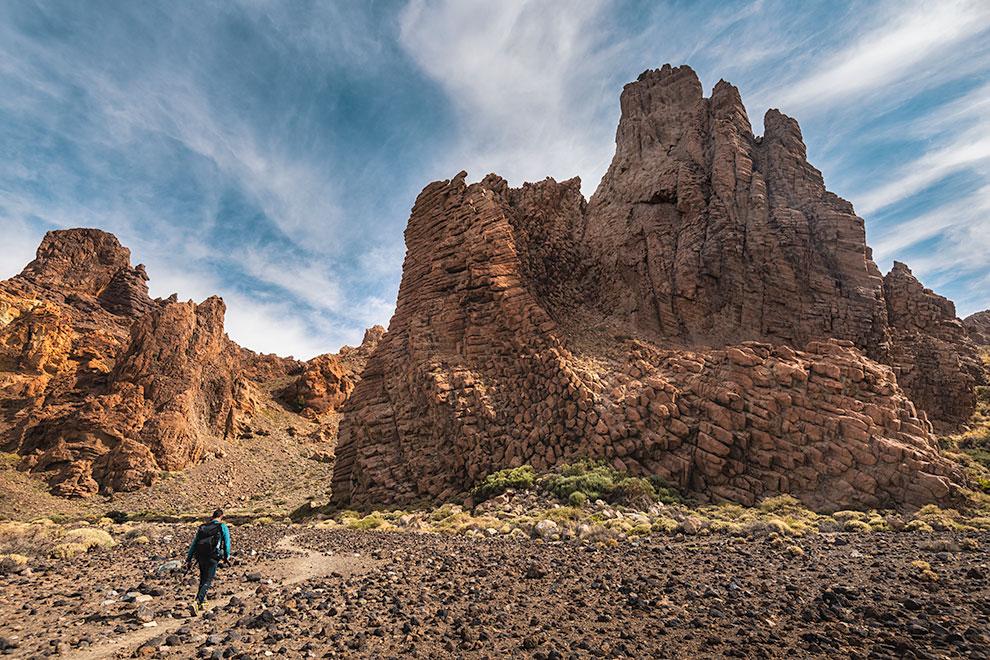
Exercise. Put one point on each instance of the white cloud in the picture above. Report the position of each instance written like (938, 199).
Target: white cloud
(965, 151)
(305, 279)
(908, 40)
(526, 80)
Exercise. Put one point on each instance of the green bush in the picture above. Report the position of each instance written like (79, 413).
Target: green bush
(595, 480)
(634, 491)
(520, 478)
(665, 492)
(577, 498)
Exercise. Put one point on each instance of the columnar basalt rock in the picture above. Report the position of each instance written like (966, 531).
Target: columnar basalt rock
(709, 234)
(936, 361)
(712, 316)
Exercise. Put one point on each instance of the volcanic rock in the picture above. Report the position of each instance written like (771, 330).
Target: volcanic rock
(712, 316)
(978, 327)
(712, 235)
(327, 380)
(102, 386)
(936, 362)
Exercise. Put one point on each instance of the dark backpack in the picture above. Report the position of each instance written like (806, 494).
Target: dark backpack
(209, 541)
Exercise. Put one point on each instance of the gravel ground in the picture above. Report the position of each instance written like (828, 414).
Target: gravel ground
(390, 594)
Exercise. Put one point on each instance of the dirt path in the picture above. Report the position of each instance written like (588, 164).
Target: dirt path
(309, 564)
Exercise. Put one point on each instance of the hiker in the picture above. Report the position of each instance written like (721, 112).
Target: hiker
(210, 546)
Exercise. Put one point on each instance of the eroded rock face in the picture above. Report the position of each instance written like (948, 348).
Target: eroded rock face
(709, 234)
(103, 387)
(936, 362)
(713, 316)
(978, 327)
(327, 380)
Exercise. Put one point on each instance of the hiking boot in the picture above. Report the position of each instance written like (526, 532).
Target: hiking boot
(195, 608)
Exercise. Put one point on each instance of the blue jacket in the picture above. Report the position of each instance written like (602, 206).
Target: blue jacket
(225, 546)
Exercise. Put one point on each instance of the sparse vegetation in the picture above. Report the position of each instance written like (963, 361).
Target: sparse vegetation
(922, 570)
(520, 478)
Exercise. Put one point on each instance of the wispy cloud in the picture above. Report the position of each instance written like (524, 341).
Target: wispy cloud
(271, 154)
(526, 79)
(901, 47)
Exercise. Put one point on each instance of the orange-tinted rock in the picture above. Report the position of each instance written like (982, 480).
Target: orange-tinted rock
(531, 327)
(103, 387)
(327, 380)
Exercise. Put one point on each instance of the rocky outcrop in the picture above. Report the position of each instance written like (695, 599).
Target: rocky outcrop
(712, 316)
(327, 380)
(978, 327)
(102, 387)
(936, 362)
(711, 235)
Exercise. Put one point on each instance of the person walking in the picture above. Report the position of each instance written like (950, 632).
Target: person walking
(210, 546)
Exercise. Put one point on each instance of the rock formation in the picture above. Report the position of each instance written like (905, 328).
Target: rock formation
(327, 380)
(978, 327)
(103, 387)
(713, 315)
(936, 362)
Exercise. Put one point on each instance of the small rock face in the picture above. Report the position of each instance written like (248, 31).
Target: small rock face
(327, 380)
(708, 234)
(936, 361)
(978, 327)
(713, 316)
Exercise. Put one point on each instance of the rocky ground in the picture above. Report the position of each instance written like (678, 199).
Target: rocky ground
(261, 476)
(311, 592)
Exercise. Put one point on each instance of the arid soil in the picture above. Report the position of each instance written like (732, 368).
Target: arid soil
(390, 594)
(259, 476)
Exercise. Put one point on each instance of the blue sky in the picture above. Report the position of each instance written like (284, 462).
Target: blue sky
(270, 151)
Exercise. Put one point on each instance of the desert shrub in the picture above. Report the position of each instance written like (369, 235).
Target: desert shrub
(444, 512)
(665, 492)
(728, 527)
(843, 516)
(923, 571)
(8, 460)
(941, 519)
(795, 551)
(633, 491)
(642, 529)
(665, 525)
(12, 563)
(30, 539)
(373, 520)
(781, 504)
(595, 480)
(918, 526)
(89, 537)
(563, 514)
(68, 550)
(854, 525)
(577, 498)
(520, 478)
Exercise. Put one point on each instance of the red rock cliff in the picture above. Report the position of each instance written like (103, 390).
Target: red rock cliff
(712, 316)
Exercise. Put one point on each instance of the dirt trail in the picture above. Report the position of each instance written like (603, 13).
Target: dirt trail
(293, 570)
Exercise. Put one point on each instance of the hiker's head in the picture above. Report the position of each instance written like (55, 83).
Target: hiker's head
(218, 514)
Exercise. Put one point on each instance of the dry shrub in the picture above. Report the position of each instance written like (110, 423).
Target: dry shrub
(29, 539)
(89, 537)
(12, 563)
(68, 550)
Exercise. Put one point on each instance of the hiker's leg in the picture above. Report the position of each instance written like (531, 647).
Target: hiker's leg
(207, 571)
